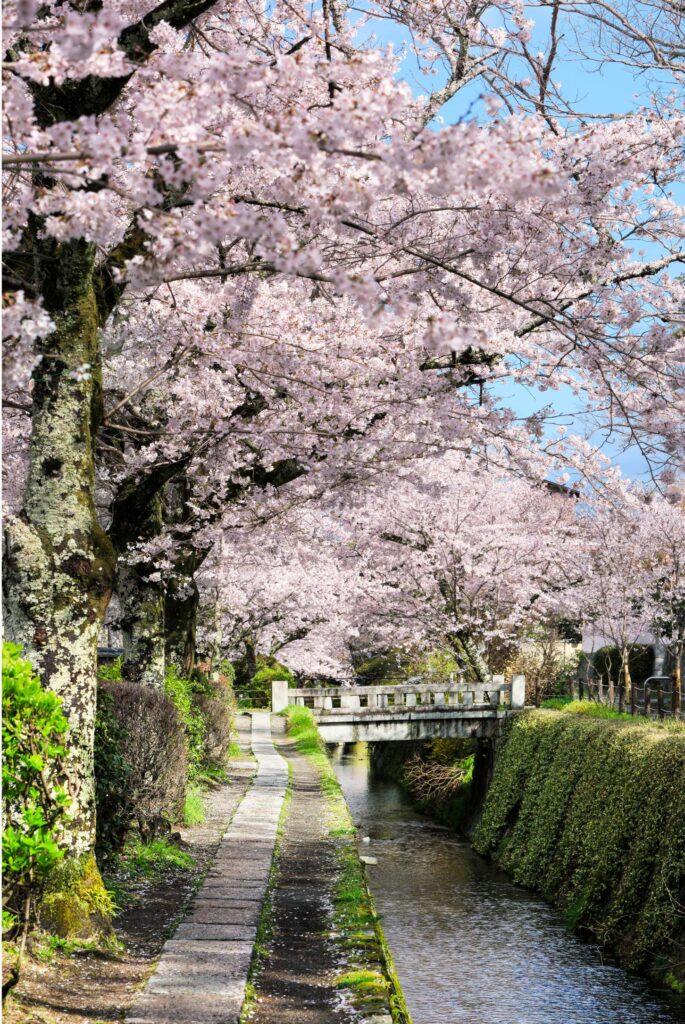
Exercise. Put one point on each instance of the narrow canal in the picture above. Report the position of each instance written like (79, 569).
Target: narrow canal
(469, 946)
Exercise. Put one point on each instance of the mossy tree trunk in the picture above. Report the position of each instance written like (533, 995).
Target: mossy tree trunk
(181, 606)
(59, 562)
(141, 600)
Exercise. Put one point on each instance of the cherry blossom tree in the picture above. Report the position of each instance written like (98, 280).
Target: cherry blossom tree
(614, 593)
(632, 587)
(465, 560)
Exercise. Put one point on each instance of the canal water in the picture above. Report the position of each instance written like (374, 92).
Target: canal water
(469, 946)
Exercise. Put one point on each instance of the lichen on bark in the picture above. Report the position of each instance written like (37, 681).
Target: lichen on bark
(59, 561)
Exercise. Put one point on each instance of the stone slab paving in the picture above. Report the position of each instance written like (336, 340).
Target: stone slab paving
(202, 973)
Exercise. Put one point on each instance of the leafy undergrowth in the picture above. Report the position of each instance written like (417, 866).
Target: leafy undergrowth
(369, 980)
(590, 709)
(234, 751)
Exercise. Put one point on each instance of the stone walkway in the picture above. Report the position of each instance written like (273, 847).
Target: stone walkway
(203, 969)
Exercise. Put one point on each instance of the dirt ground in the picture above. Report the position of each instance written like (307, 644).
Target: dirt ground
(92, 987)
(296, 982)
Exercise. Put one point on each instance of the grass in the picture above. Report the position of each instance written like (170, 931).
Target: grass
(194, 807)
(361, 935)
(590, 709)
(153, 860)
(234, 750)
(584, 707)
(44, 947)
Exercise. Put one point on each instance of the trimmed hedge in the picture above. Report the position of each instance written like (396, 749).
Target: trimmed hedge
(143, 731)
(590, 812)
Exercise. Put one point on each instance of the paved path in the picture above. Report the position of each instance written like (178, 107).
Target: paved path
(203, 969)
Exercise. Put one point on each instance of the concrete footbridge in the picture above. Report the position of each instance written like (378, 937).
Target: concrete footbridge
(407, 711)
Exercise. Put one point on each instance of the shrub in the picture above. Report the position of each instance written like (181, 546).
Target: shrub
(206, 709)
(114, 805)
(180, 692)
(110, 671)
(260, 684)
(217, 715)
(35, 805)
(155, 751)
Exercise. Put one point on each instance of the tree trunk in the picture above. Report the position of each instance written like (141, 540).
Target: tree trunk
(60, 564)
(250, 658)
(217, 642)
(142, 611)
(630, 693)
(677, 698)
(180, 616)
(466, 649)
(142, 626)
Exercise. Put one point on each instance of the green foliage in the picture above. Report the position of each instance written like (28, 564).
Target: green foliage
(181, 692)
(194, 806)
(440, 664)
(388, 665)
(588, 708)
(227, 670)
(45, 947)
(112, 778)
(556, 703)
(259, 689)
(591, 709)
(153, 860)
(35, 804)
(591, 813)
(110, 671)
(206, 709)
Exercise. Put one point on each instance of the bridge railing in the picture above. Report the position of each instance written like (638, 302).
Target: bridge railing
(402, 695)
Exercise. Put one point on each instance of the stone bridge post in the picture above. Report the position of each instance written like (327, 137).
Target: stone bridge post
(518, 692)
(279, 695)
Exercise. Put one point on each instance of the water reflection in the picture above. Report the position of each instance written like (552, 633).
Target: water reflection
(469, 946)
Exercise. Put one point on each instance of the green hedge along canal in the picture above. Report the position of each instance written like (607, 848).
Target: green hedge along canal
(470, 947)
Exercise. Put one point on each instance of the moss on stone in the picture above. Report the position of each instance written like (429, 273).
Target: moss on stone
(371, 981)
(76, 903)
